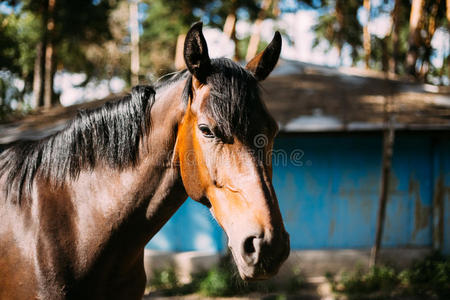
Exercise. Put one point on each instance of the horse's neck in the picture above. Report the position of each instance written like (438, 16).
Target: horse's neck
(134, 203)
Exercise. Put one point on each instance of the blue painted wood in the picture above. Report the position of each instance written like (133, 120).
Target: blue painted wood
(328, 189)
(192, 228)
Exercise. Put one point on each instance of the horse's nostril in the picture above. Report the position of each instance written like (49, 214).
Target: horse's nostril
(249, 247)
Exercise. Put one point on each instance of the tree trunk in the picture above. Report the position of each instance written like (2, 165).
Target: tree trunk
(339, 50)
(414, 39)
(254, 39)
(395, 33)
(229, 28)
(230, 24)
(431, 29)
(385, 55)
(366, 34)
(134, 29)
(179, 58)
(338, 10)
(48, 81)
(38, 78)
(49, 57)
(448, 12)
(39, 62)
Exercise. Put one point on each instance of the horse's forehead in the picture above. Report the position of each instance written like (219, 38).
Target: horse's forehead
(201, 97)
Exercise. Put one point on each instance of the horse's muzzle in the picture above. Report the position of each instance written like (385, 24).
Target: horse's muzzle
(261, 257)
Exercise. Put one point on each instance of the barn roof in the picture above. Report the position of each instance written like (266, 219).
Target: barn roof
(305, 98)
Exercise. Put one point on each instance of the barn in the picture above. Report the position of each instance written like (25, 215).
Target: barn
(327, 170)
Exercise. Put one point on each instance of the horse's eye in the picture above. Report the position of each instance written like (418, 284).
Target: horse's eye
(206, 131)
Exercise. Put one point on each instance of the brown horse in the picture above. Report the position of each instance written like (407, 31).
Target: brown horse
(77, 208)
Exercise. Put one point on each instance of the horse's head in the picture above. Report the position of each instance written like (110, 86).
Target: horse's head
(223, 150)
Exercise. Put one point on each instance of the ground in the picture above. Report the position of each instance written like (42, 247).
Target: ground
(316, 288)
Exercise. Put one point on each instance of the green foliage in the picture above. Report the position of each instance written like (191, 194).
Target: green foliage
(5, 113)
(18, 39)
(167, 19)
(164, 279)
(223, 280)
(8, 114)
(339, 26)
(164, 22)
(77, 25)
(218, 282)
(376, 279)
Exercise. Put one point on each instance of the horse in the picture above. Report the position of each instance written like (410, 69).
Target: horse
(78, 207)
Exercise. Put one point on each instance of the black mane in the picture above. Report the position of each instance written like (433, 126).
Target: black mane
(111, 133)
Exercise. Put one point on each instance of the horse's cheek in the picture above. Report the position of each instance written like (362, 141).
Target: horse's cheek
(188, 161)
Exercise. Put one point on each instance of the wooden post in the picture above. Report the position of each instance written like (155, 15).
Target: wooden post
(388, 145)
(134, 30)
(438, 206)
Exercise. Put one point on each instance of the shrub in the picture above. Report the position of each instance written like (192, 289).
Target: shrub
(379, 278)
(426, 279)
(430, 277)
(218, 282)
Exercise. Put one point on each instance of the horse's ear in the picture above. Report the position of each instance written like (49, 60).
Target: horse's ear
(196, 53)
(264, 62)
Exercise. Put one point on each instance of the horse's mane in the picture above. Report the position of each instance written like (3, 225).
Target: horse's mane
(111, 133)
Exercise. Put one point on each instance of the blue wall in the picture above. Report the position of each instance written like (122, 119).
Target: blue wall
(328, 194)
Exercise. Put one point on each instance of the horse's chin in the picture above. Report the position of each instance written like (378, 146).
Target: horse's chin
(254, 275)
(256, 272)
